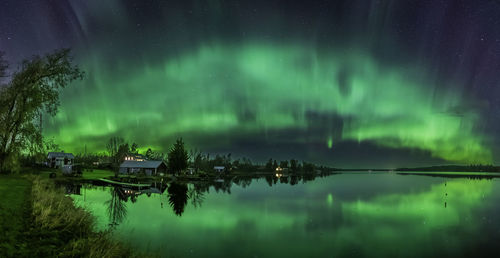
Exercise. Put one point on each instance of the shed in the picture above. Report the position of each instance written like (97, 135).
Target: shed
(219, 168)
(149, 167)
(59, 159)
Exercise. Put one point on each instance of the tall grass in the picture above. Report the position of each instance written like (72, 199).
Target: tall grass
(65, 230)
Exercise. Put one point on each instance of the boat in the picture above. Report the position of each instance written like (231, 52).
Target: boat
(123, 184)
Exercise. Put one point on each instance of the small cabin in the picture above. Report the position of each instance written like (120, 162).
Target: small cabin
(148, 167)
(219, 169)
(59, 159)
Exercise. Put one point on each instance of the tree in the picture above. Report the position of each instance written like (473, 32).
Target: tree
(153, 155)
(275, 165)
(293, 165)
(178, 197)
(198, 161)
(308, 167)
(149, 154)
(123, 151)
(284, 164)
(134, 148)
(177, 157)
(32, 90)
(269, 165)
(112, 146)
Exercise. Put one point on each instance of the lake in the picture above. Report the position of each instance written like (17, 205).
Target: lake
(342, 215)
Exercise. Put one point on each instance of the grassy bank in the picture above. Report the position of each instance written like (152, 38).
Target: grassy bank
(65, 230)
(14, 215)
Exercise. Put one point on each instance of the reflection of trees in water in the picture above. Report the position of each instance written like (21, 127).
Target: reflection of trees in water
(224, 186)
(179, 194)
(196, 195)
(177, 197)
(244, 182)
(117, 209)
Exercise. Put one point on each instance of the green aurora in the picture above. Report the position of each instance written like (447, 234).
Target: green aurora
(226, 91)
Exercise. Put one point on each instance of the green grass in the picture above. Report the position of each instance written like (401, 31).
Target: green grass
(96, 174)
(14, 214)
(38, 220)
(64, 230)
(86, 174)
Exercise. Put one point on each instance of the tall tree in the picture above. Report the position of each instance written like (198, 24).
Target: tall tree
(293, 165)
(177, 157)
(32, 90)
(113, 146)
(123, 151)
(269, 165)
(134, 148)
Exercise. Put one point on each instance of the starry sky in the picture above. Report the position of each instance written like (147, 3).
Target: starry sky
(355, 84)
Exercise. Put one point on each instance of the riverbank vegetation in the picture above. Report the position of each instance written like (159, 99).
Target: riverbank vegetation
(68, 228)
(37, 219)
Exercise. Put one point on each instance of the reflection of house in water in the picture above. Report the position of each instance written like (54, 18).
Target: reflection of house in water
(73, 189)
(147, 167)
(58, 159)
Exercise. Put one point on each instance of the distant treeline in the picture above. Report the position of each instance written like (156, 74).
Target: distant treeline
(194, 160)
(455, 168)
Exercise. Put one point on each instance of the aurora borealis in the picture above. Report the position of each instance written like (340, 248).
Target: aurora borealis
(349, 83)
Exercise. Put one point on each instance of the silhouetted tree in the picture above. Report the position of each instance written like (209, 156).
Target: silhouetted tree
(31, 91)
(117, 209)
(177, 197)
(293, 165)
(269, 165)
(112, 146)
(134, 148)
(269, 180)
(275, 165)
(149, 154)
(123, 151)
(177, 157)
(308, 167)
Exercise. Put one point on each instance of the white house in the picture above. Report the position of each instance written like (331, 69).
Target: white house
(219, 169)
(59, 159)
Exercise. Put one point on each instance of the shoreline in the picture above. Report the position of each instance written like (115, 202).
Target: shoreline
(46, 223)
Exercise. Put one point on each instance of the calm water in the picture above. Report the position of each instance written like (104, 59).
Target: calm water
(354, 215)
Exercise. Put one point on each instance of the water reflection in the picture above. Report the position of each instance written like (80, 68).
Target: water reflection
(177, 197)
(117, 209)
(383, 215)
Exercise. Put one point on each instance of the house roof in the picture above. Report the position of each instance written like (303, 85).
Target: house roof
(60, 155)
(141, 164)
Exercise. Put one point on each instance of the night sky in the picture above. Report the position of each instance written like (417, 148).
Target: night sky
(344, 83)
